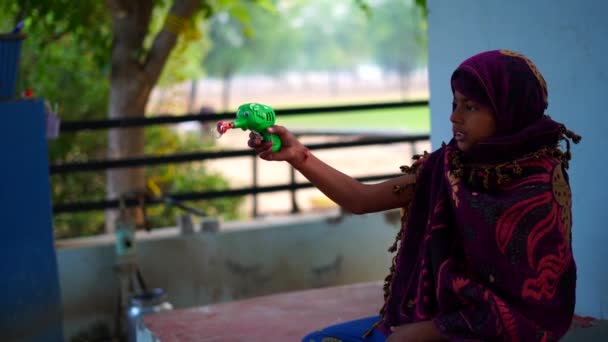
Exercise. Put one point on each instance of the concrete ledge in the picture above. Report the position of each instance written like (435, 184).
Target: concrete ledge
(283, 317)
(290, 316)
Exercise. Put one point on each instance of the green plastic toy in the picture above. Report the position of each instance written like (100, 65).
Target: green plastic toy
(256, 117)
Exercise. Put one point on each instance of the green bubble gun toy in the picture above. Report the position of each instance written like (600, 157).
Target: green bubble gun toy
(255, 117)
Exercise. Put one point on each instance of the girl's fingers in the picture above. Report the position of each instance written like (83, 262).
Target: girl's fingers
(279, 130)
(255, 142)
(263, 148)
(266, 145)
(266, 155)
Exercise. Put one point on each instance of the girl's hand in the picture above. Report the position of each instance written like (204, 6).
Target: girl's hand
(424, 331)
(292, 151)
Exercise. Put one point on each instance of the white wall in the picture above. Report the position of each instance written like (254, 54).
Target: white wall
(568, 41)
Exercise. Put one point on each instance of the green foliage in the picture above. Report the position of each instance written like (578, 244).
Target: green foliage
(364, 6)
(422, 5)
(238, 33)
(400, 49)
(226, 55)
(319, 35)
(66, 60)
(193, 177)
(184, 61)
(87, 23)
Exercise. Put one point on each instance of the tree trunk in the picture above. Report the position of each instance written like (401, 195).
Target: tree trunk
(133, 76)
(127, 99)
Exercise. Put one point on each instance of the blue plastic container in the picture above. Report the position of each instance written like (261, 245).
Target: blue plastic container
(10, 53)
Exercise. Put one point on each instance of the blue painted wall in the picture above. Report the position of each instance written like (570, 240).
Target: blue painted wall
(30, 307)
(568, 41)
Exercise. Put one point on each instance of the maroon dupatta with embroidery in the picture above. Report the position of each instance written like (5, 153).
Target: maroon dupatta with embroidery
(485, 246)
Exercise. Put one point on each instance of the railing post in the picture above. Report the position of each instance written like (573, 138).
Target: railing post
(255, 186)
(294, 202)
(413, 148)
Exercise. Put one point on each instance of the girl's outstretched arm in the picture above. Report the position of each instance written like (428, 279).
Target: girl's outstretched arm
(347, 192)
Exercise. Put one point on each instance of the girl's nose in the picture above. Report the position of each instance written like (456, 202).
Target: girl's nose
(455, 117)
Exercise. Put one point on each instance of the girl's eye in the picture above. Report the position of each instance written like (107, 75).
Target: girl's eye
(470, 108)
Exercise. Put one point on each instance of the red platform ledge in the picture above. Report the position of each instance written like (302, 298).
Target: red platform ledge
(290, 316)
(281, 317)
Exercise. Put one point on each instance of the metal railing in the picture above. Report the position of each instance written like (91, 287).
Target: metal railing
(356, 139)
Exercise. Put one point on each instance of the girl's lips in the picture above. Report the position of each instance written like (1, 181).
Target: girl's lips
(459, 136)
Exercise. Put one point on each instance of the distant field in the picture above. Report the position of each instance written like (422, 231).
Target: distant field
(410, 119)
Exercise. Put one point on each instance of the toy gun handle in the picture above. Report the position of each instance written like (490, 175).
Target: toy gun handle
(276, 141)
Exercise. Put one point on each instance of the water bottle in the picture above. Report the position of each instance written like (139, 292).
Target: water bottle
(150, 302)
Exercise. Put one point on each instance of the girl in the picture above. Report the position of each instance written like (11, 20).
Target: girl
(484, 249)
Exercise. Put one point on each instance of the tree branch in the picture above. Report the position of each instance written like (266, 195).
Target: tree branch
(165, 40)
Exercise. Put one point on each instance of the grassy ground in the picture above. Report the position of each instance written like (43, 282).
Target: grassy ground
(411, 119)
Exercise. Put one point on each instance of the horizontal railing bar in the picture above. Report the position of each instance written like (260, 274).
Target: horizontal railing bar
(97, 165)
(129, 122)
(195, 196)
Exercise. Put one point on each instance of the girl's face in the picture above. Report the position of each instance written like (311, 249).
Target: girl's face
(471, 121)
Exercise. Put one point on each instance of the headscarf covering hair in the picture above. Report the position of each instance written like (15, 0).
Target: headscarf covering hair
(507, 81)
(510, 84)
(469, 86)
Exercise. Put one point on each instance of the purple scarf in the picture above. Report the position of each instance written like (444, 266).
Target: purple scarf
(485, 246)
